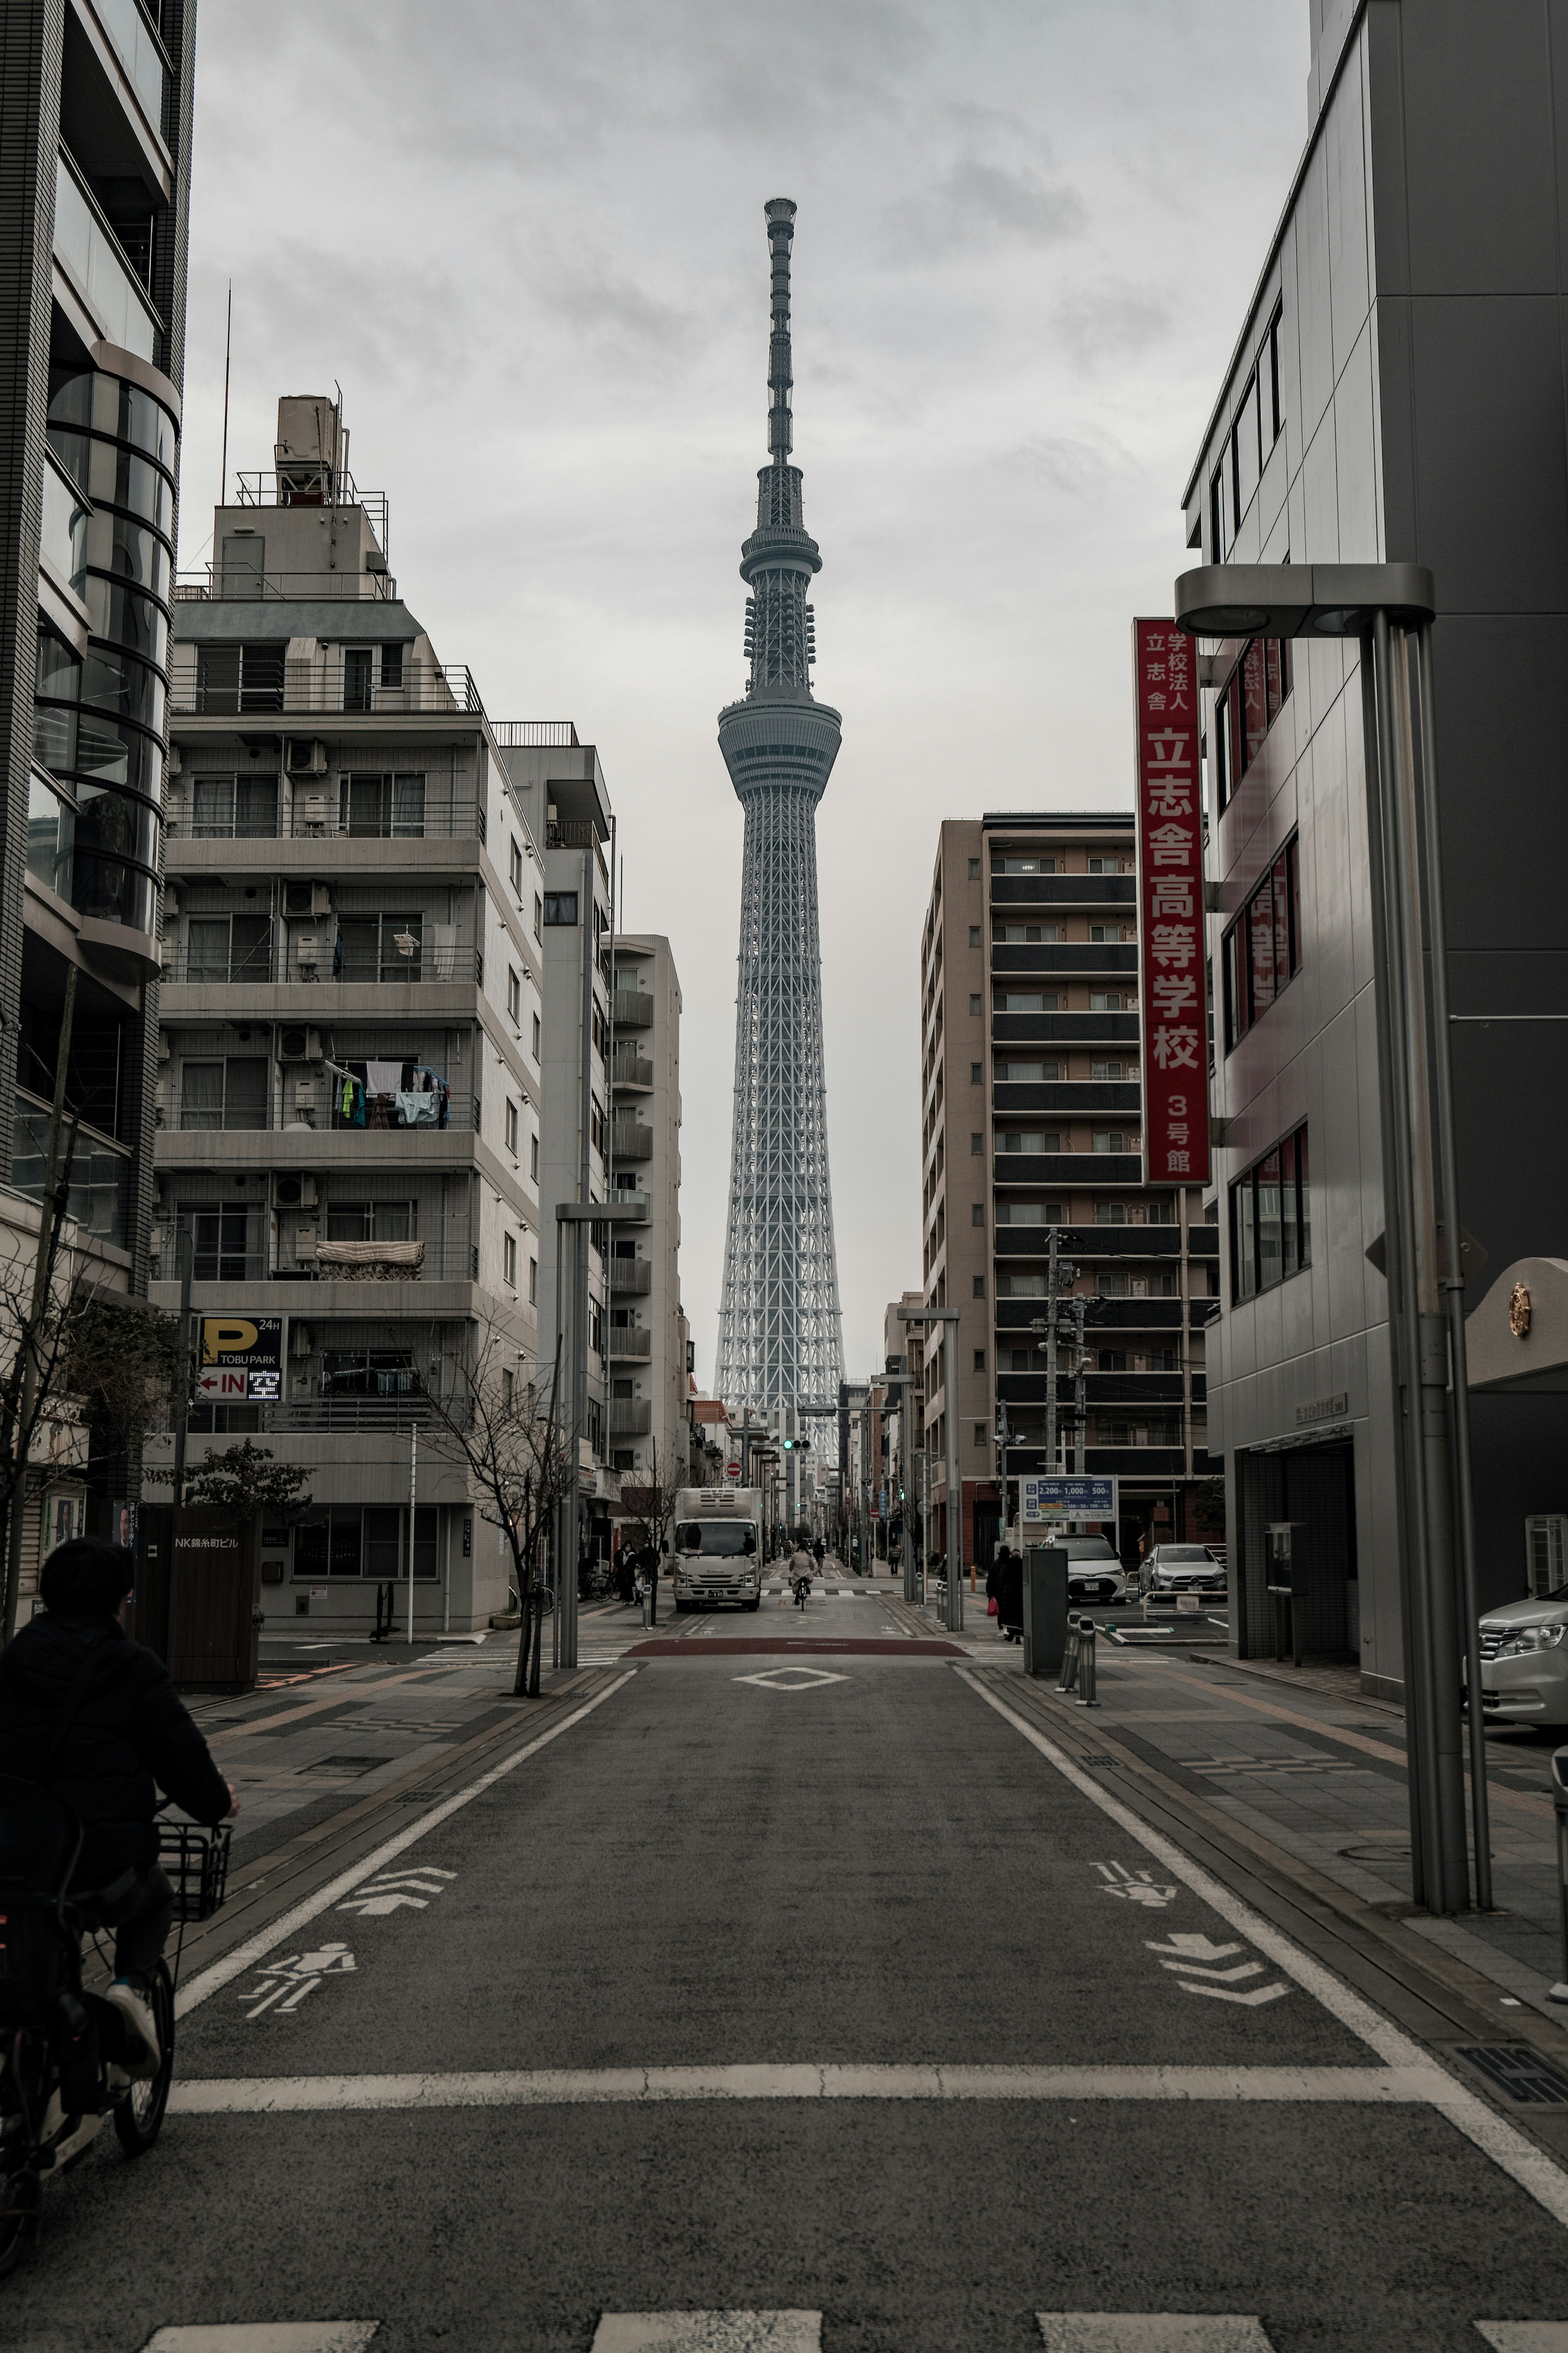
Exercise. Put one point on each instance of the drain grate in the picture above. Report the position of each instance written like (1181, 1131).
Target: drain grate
(1518, 2073)
(355, 1765)
(1097, 1760)
(417, 1797)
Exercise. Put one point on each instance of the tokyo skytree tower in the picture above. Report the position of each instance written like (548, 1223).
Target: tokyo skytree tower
(779, 1337)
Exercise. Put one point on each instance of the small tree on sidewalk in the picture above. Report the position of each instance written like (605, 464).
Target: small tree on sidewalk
(651, 1499)
(247, 1483)
(502, 1424)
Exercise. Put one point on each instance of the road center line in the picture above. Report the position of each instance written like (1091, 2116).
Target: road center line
(1466, 2111)
(244, 1956)
(654, 2086)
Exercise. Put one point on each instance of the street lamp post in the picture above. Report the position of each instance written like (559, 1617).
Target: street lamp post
(948, 1318)
(569, 1510)
(1384, 605)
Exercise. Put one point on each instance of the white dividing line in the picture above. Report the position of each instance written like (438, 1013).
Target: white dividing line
(266, 2336)
(1153, 2332)
(1466, 2111)
(245, 1956)
(654, 2086)
(708, 2332)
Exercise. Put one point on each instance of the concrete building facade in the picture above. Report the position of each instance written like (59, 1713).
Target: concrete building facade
(1031, 1120)
(647, 1332)
(1397, 393)
(349, 1082)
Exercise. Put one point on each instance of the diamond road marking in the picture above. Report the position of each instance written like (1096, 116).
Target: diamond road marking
(1152, 2332)
(709, 2332)
(791, 1679)
(267, 2336)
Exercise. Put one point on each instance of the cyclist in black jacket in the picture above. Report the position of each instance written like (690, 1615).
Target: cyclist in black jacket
(93, 1717)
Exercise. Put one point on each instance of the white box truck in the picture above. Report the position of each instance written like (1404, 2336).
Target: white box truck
(718, 1547)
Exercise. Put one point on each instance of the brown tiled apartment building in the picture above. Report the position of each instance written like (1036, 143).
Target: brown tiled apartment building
(1031, 1101)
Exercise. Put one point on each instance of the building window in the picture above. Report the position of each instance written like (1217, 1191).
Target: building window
(1102, 1000)
(980, 1361)
(1162, 1210)
(979, 1292)
(974, 1004)
(534, 1282)
(1033, 1139)
(1110, 1139)
(536, 1037)
(1276, 391)
(517, 868)
(1110, 1213)
(1105, 934)
(538, 916)
(977, 1143)
(1027, 1074)
(1245, 708)
(533, 1157)
(506, 1387)
(1022, 865)
(511, 1129)
(1105, 865)
(1270, 1219)
(977, 1074)
(975, 935)
(1027, 1001)
(561, 906)
(513, 994)
(1028, 1213)
(974, 870)
(977, 1213)
(1113, 1360)
(1108, 1069)
(1261, 951)
(1028, 934)
(980, 1434)
(508, 1259)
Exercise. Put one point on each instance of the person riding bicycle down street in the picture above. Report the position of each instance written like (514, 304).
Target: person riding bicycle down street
(801, 1565)
(93, 1717)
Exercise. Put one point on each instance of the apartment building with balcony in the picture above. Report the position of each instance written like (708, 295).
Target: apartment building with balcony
(1031, 1120)
(559, 784)
(648, 1333)
(95, 110)
(349, 1082)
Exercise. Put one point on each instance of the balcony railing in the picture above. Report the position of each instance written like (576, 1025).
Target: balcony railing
(630, 1344)
(631, 1070)
(633, 1010)
(91, 254)
(451, 1262)
(535, 734)
(632, 1141)
(320, 1112)
(350, 1416)
(217, 583)
(211, 687)
(631, 1276)
(255, 967)
(100, 1193)
(636, 1204)
(322, 814)
(630, 1417)
(260, 487)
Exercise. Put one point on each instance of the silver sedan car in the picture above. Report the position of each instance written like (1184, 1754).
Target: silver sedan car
(1524, 1661)
(1172, 1568)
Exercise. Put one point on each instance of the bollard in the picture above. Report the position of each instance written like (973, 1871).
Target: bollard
(1086, 1631)
(1070, 1655)
(1559, 1993)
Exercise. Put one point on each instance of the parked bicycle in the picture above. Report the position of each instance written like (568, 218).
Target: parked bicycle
(57, 2085)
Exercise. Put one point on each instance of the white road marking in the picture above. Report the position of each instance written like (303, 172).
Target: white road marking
(1529, 2166)
(1526, 2336)
(1137, 1886)
(650, 2087)
(790, 1679)
(394, 1890)
(709, 2332)
(304, 1972)
(1152, 2332)
(245, 1956)
(1250, 2001)
(1194, 1948)
(266, 2336)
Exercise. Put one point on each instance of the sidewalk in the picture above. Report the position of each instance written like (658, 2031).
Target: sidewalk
(1309, 1764)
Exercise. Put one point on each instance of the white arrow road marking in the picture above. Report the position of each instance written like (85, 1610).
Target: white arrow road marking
(1195, 1948)
(394, 1889)
(1224, 1977)
(377, 1907)
(1218, 1993)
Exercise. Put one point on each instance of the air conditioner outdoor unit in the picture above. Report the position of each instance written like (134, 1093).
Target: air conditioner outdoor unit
(306, 756)
(313, 812)
(296, 1192)
(304, 1242)
(307, 951)
(171, 899)
(312, 899)
(300, 1045)
(164, 1049)
(1546, 1553)
(173, 763)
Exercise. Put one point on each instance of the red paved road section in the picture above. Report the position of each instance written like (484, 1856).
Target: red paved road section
(763, 1646)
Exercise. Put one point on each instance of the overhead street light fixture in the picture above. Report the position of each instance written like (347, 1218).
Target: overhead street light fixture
(1390, 608)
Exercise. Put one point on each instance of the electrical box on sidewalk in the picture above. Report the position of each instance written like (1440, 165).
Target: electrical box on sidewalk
(1045, 1608)
(198, 1590)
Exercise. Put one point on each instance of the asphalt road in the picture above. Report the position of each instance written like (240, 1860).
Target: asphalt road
(690, 2011)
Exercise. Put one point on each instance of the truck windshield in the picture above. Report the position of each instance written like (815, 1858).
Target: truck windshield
(722, 1538)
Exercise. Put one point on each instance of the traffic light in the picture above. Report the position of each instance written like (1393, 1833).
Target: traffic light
(787, 1444)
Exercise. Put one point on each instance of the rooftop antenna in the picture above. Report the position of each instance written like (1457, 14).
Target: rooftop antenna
(227, 346)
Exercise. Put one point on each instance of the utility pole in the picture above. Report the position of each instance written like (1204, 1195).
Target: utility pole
(948, 1317)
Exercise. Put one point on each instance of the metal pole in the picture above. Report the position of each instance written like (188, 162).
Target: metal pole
(1373, 729)
(561, 1501)
(1053, 1262)
(187, 1256)
(955, 1487)
(1451, 1280)
(1081, 1386)
(412, 1498)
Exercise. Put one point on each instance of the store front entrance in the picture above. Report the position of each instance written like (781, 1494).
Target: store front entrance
(1315, 1487)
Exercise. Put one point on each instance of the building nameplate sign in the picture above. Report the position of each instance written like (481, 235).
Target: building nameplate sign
(1173, 996)
(1327, 1409)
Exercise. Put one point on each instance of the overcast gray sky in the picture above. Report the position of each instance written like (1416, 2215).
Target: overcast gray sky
(526, 236)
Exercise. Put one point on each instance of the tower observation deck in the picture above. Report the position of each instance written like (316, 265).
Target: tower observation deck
(779, 1337)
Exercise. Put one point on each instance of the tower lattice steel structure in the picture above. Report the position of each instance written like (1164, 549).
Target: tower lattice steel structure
(779, 1337)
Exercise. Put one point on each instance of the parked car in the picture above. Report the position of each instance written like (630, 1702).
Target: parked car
(1172, 1568)
(1094, 1572)
(1524, 1661)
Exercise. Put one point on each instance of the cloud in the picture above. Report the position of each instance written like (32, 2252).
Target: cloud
(1074, 467)
(1098, 324)
(978, 204)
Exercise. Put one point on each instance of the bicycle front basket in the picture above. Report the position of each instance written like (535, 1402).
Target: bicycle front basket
(196, 1862)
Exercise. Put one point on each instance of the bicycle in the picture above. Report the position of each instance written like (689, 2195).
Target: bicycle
(55, 2086)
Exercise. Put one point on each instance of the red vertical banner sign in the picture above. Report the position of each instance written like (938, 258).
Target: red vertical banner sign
(1171, 907)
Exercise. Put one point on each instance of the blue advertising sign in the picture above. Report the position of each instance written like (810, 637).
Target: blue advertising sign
(1068, 1497)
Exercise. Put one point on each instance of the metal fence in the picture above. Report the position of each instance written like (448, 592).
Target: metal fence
(218, 680)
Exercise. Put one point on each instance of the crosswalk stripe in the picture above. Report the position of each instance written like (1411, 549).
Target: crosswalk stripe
(1525, 2336)
(266, 2336)
(1153, 2332)
(709, 2332)
(650, 2087)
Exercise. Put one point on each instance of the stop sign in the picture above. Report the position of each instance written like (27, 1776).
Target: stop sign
(733, 1469)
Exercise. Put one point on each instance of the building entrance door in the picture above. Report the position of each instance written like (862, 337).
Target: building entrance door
(1314, 1486)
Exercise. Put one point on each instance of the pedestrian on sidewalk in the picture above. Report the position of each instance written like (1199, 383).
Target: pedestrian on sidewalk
(1007, 1582)
(626, 1574)
(650, 1579)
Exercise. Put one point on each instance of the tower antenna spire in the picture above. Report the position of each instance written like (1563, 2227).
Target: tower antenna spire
(780, 213)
